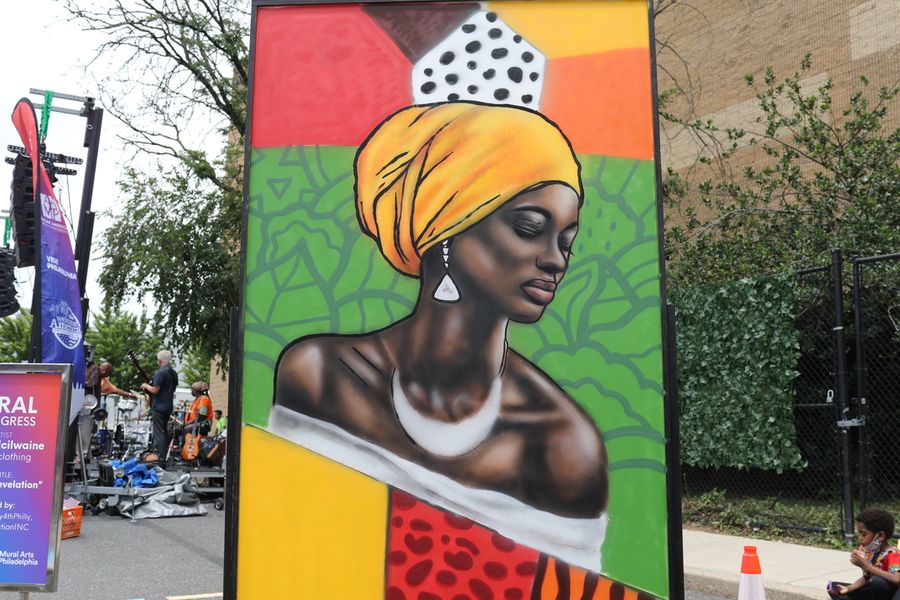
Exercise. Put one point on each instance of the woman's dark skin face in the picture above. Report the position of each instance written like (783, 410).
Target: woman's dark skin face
(514, 259)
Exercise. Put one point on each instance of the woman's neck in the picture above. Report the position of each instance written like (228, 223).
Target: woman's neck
(459, 337)
(448, 355)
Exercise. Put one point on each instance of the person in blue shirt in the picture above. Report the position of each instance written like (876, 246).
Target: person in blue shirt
(162, 394)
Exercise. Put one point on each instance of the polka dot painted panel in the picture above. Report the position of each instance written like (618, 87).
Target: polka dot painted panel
(482, 60)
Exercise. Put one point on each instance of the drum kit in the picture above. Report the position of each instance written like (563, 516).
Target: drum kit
(126, 434)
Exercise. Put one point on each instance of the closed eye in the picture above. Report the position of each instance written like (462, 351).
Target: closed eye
(528, 230)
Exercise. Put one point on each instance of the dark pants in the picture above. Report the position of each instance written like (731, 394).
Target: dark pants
(878, 588)
(160, 422)
(71, 450)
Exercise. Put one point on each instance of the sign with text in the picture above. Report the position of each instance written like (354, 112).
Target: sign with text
(33, 413)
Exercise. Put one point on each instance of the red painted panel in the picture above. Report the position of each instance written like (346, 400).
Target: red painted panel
(434, 555)
(324, 75)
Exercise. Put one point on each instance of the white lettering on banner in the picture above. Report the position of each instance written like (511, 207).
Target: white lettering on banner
(18, 405)
(51, 211)
(53, 265)
(64, 325)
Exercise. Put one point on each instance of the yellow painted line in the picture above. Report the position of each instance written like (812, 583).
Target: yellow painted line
(196, 596)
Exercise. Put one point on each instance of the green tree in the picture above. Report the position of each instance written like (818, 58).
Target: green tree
(185, 257)
(15, 337)
(114, 333)
(830, 179)
(195, 366)
(177, 236)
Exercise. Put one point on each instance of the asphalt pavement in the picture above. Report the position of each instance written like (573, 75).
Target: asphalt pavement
(182, 559)
(115, 558)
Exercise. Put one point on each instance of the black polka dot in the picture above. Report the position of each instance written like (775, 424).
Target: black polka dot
(501, 94)
(489, 74)
(447, 58)
(473, 89)
(473, 47)
(468, 28)
(534, 76)
(514, 73)
(491, 16)
(453, 97)
(527, 56)
(527, 98)
(428, 72)
(494, 33)
(428, 87)
(517, 38)
(499, 52)
(451, 78)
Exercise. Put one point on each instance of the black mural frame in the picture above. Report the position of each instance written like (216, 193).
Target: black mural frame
(667, 315)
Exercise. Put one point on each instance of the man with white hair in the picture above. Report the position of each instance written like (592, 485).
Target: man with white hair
(162, 395)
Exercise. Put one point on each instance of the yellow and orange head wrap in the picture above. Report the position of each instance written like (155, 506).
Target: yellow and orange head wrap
(428, 173)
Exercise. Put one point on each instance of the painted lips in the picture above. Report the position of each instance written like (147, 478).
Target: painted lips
(540, 290)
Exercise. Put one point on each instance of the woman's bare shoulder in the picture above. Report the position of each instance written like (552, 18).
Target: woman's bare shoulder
(571, 446)
(310, 364)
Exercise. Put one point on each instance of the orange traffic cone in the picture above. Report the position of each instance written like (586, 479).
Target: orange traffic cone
(751, 587)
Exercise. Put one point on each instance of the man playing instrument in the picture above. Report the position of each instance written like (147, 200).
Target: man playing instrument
(162, 395)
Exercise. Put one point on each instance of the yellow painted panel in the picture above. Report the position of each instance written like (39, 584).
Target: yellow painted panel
(308, 527)
(561, 29)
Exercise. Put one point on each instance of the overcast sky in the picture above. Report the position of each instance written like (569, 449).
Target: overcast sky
(44, 51)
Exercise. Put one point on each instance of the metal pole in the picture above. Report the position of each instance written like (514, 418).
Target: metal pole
(843, 401)
(859, 332)
(673, 458)
(35, 350)
(85, 218)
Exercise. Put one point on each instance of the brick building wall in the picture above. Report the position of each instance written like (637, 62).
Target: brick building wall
(715, 43)
(218, 389)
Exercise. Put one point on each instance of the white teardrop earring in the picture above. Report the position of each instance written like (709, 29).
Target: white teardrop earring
(446, 291)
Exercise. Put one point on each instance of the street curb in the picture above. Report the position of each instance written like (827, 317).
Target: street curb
(714, 584)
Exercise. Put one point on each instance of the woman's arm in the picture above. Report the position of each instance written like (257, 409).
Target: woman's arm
(106, 387)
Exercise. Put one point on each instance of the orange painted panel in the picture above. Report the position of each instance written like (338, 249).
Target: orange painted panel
(603, 102)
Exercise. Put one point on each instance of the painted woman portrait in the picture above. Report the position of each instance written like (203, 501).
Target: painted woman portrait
(481, 204)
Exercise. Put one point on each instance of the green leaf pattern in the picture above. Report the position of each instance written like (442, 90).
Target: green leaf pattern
(310, 270)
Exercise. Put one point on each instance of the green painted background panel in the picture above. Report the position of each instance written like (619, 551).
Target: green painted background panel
(311, 270)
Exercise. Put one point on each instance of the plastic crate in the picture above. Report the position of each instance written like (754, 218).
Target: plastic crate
(71, 522)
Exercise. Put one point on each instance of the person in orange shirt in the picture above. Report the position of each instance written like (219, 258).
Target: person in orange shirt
(199, 417)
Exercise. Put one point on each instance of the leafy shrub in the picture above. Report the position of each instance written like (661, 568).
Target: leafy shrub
(737, 356)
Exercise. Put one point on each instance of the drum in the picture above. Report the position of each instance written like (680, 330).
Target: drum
(90, 402)
(126, 404)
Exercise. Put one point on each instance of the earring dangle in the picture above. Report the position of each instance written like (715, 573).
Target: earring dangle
(446, 291)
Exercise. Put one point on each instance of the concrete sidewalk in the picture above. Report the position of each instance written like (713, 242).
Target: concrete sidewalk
(712, 564)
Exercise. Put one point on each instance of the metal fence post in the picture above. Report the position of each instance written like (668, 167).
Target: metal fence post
(858, 334)
(843, 400)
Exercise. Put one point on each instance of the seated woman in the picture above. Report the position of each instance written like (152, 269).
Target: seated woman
(481, 204)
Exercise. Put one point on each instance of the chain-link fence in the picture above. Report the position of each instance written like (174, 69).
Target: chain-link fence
(846, 411)
(808, 497)
(876, 305)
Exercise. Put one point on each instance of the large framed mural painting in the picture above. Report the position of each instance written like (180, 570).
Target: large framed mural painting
(450, 352)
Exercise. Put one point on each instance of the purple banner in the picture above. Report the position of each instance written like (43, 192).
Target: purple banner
(62, 329)
(29, 423)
